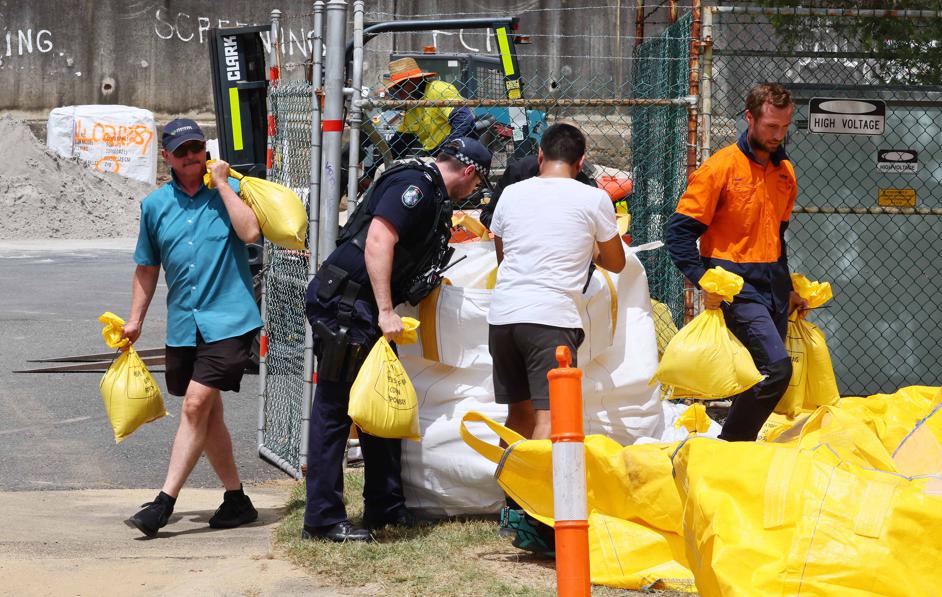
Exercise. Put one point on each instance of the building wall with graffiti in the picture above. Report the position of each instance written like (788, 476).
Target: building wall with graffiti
(154, 54)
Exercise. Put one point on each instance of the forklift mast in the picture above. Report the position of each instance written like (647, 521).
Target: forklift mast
(240, 88)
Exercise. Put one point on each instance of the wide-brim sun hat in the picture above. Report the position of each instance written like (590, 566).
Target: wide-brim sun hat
(402, 70)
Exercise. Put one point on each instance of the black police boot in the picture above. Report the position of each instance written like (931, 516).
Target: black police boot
(236, 510)
(154, 515)
(341, 532)
(402, 517)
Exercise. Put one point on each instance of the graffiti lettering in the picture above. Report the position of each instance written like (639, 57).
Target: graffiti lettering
(162, 28)
(203, 26)
(177, 23)
(136, 137)
(186, 28)
(22, 42)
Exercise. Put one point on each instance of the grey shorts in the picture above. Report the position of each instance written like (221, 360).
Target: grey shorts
(523, 353)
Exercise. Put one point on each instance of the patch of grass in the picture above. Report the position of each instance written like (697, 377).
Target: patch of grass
(451, 558)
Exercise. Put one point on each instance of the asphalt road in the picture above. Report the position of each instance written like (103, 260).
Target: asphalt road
(54, 433)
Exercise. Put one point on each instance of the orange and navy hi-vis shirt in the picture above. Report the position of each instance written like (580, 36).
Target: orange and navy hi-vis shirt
(739, 209)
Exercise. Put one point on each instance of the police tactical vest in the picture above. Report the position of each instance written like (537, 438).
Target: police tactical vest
(415, 272)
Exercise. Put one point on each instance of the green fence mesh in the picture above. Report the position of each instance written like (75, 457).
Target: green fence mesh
(659, 148)
(879, 247)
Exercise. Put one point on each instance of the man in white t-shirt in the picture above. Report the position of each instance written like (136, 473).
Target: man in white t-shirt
(548, 230)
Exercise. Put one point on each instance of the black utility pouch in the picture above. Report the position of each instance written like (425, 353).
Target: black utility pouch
(330, 280)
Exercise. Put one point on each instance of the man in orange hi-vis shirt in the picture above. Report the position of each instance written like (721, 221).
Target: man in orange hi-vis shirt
(738, 204)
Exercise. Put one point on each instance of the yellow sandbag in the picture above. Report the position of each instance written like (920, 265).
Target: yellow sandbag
(813, 383)
(279, 210)
(920, 452)
(130, 393)
(705, 361)
(382, 400)
(815, 293)
(892, 417)
(409, 335)
(717, 280)
(470, 224)
(770, 519)
(623, 222)
(635, 537)
(694, 419)
(664, 327)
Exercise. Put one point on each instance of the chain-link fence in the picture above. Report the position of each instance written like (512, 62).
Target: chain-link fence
(662, 69)
(286, 276)
(869, 206)
(636, 131)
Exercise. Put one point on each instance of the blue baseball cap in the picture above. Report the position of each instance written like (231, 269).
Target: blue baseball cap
(471, 152)
(179, 131)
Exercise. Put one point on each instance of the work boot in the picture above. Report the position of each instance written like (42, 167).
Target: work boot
(236, 510)
(153, 516)
(341, 532)
(401, 517)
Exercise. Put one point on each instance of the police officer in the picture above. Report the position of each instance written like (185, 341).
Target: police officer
(390, 252)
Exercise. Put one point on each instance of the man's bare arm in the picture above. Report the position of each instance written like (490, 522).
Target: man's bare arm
(143, 287)
(611, 254)
(381, 242)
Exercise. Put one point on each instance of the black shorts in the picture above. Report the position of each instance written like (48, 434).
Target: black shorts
(219, 364)
(523, 353)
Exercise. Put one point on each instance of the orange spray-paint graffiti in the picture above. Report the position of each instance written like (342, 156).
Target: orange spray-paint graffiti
(124, 142)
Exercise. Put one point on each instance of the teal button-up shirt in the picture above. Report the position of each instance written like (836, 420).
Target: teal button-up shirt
(206, 265)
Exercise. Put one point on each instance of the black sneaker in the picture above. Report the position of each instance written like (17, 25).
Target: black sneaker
(154, 515)
(236, 510)
(341, 532)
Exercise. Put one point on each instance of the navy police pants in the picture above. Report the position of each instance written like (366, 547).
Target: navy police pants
(329, 428)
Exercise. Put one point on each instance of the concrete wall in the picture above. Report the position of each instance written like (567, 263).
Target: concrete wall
(145, 53)
(153, 53)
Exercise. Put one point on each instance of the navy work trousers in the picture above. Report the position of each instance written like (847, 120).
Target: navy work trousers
(762, 331)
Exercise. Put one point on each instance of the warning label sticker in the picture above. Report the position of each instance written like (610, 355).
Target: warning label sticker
(897, 198)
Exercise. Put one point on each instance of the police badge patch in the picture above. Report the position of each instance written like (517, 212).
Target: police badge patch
(411, 196)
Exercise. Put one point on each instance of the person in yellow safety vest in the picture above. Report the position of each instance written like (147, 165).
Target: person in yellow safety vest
(433, 126)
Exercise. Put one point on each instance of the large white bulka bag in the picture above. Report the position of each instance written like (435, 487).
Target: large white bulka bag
(118, 139)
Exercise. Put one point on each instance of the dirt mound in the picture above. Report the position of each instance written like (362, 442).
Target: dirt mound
(43, 195)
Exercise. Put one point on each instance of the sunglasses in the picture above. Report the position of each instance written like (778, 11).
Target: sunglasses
(186, 148)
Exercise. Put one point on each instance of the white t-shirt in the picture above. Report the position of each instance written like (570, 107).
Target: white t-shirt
(548, 227)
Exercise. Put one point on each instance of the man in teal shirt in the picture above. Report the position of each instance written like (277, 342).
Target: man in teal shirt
(199, 235)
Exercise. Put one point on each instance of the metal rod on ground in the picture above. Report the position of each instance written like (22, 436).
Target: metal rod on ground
(273, 74)
(279, 462)
(313, 224)
(706, 88)
(356, 112)
(332, 124)
(570, 507)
